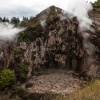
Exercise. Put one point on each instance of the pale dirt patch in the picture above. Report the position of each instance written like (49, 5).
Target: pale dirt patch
(56, 81)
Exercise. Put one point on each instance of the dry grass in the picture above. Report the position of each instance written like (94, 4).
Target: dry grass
(90, 92)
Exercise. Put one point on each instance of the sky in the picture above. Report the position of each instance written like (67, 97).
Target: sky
(20, 8)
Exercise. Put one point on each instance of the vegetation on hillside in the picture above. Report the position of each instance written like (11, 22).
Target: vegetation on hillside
(90, 92)
(96, 3)
(31, 33)
(20, 73)
(7, 79)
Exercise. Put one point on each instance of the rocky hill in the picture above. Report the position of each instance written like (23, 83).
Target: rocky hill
(50, 53)
(52, 40)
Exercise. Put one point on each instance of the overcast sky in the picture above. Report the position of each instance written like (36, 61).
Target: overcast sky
(29, 8)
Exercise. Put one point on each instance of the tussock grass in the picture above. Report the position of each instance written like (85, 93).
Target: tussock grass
(89, 92)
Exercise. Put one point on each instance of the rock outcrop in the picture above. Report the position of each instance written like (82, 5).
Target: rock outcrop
(52, 40)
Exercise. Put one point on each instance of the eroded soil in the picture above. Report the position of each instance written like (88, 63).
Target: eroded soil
(55, 80)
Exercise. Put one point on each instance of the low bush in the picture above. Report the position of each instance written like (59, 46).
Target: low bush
(18, 90)
(21, 72)
(29, 85)
(7, 78)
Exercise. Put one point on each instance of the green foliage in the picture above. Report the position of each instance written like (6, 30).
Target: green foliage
(17, 55)
(22, 35)
(21, 72)
(96, 3)
(24, 21)
(4, 19)
(7, 78)
(18, 90)
(15, 21)
(29, 85)
(24, 68)
(90, 92)
(31, 33)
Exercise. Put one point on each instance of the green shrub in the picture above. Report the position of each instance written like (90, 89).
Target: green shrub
(17, 55)
(18, 90)
(7, 78)
(21, 72)
(29, 85)
(24, 68)
(31, 33)
(22, 35)
(96, 3)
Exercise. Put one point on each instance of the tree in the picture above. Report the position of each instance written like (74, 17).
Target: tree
(5, 19)
(24, 21)
(15, 21)
(0, 19)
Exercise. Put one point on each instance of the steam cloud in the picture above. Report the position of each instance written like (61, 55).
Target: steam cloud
(8, 32)
(80, 9)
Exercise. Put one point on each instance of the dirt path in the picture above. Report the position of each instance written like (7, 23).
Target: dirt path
(56, 81)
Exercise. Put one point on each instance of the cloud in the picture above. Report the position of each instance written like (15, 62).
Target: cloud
(28, 8)
(17, 11)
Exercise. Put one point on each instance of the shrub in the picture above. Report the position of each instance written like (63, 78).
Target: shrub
(7, 78)
(96, 3)
(29, 85)
(21, 72)
(17, 55)
(18, 90)
(24, 68)
(22, 35)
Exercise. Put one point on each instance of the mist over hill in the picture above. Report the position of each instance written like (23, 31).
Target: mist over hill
(54, 41)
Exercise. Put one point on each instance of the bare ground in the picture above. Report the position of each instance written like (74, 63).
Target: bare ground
(55, 81)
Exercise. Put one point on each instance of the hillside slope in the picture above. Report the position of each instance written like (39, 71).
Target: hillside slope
(52, 40)
(51, 53)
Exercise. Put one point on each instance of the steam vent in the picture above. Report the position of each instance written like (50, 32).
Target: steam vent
(52, 40)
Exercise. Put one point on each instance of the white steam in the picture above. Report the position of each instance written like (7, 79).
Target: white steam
(8, 32)
(80, 9)
(90, 48)
(43, 23)
(43, 17)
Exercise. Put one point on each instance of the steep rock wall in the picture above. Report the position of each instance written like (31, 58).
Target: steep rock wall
(57, 45)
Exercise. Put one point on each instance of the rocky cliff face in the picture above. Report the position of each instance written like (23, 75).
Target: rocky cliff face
(52, 40)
